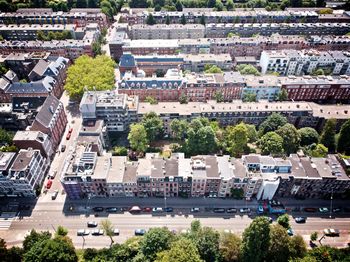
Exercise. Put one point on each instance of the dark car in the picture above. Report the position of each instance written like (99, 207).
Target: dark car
(147, 209)
(231, 210)
(219, 210)
(336, 209)
(98, 209)
(310, 209)
(140, 232)
(92, 224)
(168, 209)
(112, 209)
(300, 219)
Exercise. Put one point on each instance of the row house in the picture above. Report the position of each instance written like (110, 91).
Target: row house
(150, 47)
(22, 174)
(247, 30)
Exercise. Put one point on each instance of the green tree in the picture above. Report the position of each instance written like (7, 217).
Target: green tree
(33, 238)
(151, 100)
(183, 99)
(108, 228)
(308, 136)
(256, 240)
(344, 138)
(237, 193)
(178, 6)
(314, 236)
(272, 123)
(212, 69)
(291, 138)
(230, 247)
(237, 139)
(183, 250)
(318, 150)
(283, 95)
(150, 20)
(61, 231)
(90, 73)
(156, 240)
(81, 3)
(178, 128)
(322, 3)
(153, 125)
(120, 151)
(219, 97)
(6, 137)
(14, 254)
(279, 244)
(271, 143)
(229, 5)
(318, 72)
(283, 221)
(201, 140)
(167, 20)
(219, 5)
(157, 8)
(328, 135)
(52, 250)
(252, 134)
(248, 70)
(249, 97)
(202, 20)
(183, 19)
(138, 137)
(297, 247)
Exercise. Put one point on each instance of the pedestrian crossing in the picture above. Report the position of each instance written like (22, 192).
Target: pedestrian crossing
(6, 219)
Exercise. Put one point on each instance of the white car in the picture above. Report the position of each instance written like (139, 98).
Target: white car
(83, 232)
(157, 209)
(116, 232)
(97, 232)
(195, 209)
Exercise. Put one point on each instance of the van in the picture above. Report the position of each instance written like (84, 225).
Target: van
(54, 195)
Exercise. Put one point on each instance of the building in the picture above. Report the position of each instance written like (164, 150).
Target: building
(35, 140)
(117, 110)
(197, 63)
(294, 62)
(51, 120)
(265, 87)
(163, 31)
(148, 47)
(26, 174)
(6, 160)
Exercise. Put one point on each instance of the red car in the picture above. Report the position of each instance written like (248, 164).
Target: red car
(147, 209)
(49, 184)
(68, 136)
(70, 130)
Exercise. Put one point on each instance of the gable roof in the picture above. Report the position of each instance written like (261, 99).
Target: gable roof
(47, 111)
(44, 85)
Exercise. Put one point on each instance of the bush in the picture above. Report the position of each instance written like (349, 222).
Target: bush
(120, 151)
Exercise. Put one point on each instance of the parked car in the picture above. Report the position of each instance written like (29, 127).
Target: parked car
(300, 219)
(157, 210)
(231, 210)
(92, 224)
(112, 209)
(244, 210)
(323, 209)
(168, 209)
(140, 232)
(68, 136)
(135, 210)
(260, 210)
(63, 148)
(331, 232)
(70, 130)
(116, 232)
(83, 232)
(195, 209)
(290, 232)
(98, 209)
(310, 209)
(97, 232)
(269, 219)
(147, 209)
(54, 195)
(219, 210)
(336, 209)
(53, 174)
(49, 184)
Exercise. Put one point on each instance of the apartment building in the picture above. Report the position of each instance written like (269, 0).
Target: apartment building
(117, 110)
(51, 120)
(267, 29)
(172, 31)
(25, 175)
(149, 47)
(26, 32)
(295, 62)
(265, 87)
(197, 63)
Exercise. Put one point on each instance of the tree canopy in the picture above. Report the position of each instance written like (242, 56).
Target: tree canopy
(272, 123)
(271, 143)
(138, 137)
(90, 73)
(182, 250)
(290, 136)
(328, 135)
(237, 138)
(308, 136)
(344, 138)
(248, 70)
(153, 125)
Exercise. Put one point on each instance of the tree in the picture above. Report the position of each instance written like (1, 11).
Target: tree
(183, 99)
(328, 135)
(279, 244)
(150, 20)
(237, 139)
(6, 137)
(219, 5)
(153, 125)
(138, 137)
(212, 69)
(272, 123)
(157, 8)
(108, 228)
(211, 3)
(291, 138)
(120, 151)
(201, 140)
(61, 231)
(252, 134)
(183, 250)
(256, 240)
(344, 138)
(219, 97)
(81, 3)
(155, 240)
(283, 221)
(52, 250)
(237, 193)
(308, 136)
(90, 73)
(314, 236)
(230, 247)
(178, 128)
(34, 237)
(229, 5)
(297, 247)
(96, 49)
(14, 254)
(283, 95)
(318, 150)
(202, 20)
(151, 100)
(249, 97)
(167, 20)
(178, 6)
(318, 72)
(271, 143)
(183, 19)
(248, 70)
(322, 3)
